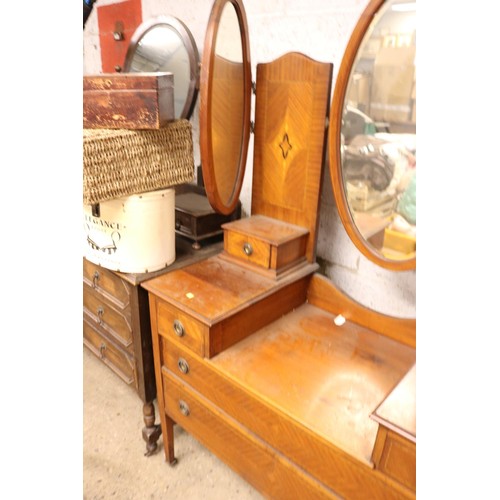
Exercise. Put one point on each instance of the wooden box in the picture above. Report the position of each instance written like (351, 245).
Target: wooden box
(266, 245)
(128, 100)
(195, 219)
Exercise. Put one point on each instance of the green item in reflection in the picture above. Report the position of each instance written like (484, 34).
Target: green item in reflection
(407, 205)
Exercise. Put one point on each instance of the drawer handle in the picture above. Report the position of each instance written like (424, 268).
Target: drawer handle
(100, 314)
(95, 279)
(101, 350)
(183, 366)
(247, 248)
(178, 328)
(184, 408)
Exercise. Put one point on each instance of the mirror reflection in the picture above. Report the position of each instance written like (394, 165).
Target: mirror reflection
(165, 44)
(228, 95)
(378, 135)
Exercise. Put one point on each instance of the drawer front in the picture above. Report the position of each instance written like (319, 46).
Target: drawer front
(106, 282)
(185, 223)
(308, 450)
(121, 362)
(115, 322)
(248, 249)
(396, 456)
(173, 323)
(255, 461)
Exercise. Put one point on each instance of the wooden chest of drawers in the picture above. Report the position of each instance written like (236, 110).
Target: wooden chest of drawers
(117, 328)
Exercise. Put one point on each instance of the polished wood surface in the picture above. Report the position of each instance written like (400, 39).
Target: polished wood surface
(323, 293)
(398, 410)
(214, 289)
(291, 106)
(327, 378)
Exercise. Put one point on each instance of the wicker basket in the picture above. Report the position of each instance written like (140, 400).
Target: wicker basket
(123, 162)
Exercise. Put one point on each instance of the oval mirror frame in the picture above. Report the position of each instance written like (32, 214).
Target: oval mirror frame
(187, 40)
(335, 144)
(211, 170)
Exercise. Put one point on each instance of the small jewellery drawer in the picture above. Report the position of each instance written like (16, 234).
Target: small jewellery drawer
(114, 321)
(107, 283)
(268, 245)
(182, 327)
(248, 248)
(121, 362)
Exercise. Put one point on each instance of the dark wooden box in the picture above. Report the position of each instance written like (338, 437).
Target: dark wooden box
(128, 100)
(195, 219)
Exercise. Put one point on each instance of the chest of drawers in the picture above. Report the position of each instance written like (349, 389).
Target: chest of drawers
(117, 328)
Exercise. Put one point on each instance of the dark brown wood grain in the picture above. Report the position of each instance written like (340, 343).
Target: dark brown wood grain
(128, 100)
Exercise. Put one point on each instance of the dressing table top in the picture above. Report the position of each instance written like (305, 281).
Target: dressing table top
(328, 378)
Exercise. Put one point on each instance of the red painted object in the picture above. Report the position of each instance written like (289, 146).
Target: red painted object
(117, 23)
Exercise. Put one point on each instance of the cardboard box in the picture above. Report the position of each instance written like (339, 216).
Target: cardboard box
(393, 78)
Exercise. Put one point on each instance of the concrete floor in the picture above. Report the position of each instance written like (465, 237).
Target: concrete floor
(114, 465)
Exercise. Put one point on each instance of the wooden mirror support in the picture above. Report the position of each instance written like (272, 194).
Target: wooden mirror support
(359, 35)
(225, 93)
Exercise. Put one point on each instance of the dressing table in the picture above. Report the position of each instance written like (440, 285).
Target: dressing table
(300, 389)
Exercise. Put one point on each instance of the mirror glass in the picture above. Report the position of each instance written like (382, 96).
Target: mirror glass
(225, 104)
(376, 152)
(164, 43)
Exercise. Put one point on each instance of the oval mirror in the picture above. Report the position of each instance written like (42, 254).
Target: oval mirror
(225, 93)
(373, 135)
(164, 43)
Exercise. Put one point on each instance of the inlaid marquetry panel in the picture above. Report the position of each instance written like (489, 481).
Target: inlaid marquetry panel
(292, 100)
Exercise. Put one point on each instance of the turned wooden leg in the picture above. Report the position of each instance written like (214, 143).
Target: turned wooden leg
(196, 245)
(168, 440)
(151, 433)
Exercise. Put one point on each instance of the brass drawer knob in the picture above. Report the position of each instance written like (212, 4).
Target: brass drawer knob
(247, 248)
(95, 279)
(100, 314)
(183, 366)
(184, 408)
(178, 328)
(102, 348)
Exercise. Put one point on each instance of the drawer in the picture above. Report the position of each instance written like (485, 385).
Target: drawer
(248, 248)
(270, 245)
(395, 456)
(173, 323)
(115, 322)
(106, 282)
(258, 463)
(121, 362)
